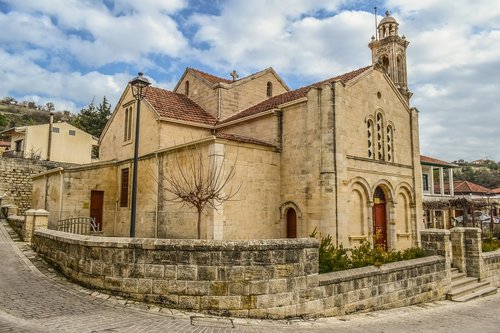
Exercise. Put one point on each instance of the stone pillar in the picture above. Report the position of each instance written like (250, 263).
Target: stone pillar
(458, 249)
(437, 242)
(34, 219)
(473, 251)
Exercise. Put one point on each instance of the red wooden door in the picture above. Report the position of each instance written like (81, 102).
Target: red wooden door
(96, 207)
(291, 223)
(380, 225)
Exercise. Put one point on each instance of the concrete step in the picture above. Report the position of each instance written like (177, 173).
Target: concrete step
(466, 289)
(457, 275)
(475, 294)
(462, 282)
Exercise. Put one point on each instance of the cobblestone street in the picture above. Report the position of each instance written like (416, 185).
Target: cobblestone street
(34, 298)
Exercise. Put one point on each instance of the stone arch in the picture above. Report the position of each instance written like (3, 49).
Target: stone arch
(285, 210)
(359, 206)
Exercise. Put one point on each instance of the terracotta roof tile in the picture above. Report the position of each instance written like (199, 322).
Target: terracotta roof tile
(434, 161)
(243, 139)
(273, 102)
(464, 186)
(209, 77)
(496, 190)
(177, 106)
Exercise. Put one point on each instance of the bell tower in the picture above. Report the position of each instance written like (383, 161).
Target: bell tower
(389, 51)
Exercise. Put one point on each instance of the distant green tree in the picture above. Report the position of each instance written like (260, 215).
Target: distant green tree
(93, 119)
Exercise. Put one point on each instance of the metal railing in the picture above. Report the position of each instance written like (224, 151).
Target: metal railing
(78, 225)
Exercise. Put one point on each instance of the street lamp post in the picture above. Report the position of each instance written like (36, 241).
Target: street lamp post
(139, 85)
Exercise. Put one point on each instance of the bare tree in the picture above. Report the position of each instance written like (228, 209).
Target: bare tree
(200, 181)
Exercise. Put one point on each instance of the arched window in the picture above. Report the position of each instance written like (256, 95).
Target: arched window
(186, 88)
(390, 144)
(380, 137)
(369, 134)
(269, 90)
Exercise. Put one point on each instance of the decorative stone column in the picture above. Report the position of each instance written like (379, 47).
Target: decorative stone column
(34, 219)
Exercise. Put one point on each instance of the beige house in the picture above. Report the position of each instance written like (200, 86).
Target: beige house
(340, 156)
(59, 142)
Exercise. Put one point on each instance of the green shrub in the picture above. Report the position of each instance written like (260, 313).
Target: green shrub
(336, 258)
(490, 244)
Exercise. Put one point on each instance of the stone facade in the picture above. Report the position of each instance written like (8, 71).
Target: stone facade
(340, 156)
(16, 180)
(259, 279)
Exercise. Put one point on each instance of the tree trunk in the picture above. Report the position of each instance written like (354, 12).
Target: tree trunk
(199, 223)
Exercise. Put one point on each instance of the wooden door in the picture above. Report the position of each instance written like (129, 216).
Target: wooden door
(291, 223)
(96, 207)
(379, 225)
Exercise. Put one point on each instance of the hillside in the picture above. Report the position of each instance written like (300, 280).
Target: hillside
(21, 115)
(486, 174)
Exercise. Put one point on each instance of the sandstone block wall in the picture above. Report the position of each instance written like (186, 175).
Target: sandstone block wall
(393, 285)
(16, 182)
(238, 278)
(256, 278)
(491, 268)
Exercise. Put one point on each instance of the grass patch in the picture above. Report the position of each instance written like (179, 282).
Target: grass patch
(490, 244)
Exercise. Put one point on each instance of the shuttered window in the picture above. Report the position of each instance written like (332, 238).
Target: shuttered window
(124, 188)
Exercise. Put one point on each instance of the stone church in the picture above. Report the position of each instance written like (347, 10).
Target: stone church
(340, 156)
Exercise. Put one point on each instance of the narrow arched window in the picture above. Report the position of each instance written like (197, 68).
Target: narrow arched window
(269, 90)
(369, 134)
(390, 144)
(186, 88)
(380, 136)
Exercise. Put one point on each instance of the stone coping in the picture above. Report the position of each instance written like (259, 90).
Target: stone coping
(362, 272)
(178, 244)
(491, 254)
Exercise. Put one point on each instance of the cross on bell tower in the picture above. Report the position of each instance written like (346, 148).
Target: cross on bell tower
(389, 51)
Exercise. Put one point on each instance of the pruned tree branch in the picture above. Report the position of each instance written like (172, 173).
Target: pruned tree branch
(200, 181)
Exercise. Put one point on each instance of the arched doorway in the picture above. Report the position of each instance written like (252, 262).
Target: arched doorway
(379, 218)
(291, 223)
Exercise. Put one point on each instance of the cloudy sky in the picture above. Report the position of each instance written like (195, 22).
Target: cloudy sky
(70, 51)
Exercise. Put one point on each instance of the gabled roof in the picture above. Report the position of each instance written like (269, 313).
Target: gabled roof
(496, 190)
(209, 77)
(434, 161)
(464, 186)
(169, 104)
(275, 101)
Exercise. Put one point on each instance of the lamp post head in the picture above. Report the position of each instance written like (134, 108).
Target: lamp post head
(139, 83)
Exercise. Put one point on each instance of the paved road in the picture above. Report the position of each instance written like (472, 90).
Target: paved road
(34, 298)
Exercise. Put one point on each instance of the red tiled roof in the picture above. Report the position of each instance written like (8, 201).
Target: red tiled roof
(273, 102)
(177, 106)
(464, 186)
(434, 161)
(496, 190)
(209, 77)
(243, 139)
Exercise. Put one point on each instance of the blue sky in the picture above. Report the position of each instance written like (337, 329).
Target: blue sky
(70, 51)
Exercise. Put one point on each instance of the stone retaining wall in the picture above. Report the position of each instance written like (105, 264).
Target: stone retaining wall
(491, 268)
(256, 278)
(392, 285)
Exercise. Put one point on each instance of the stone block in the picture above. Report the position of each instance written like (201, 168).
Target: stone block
(186, 272)
(144, 286)
(189, 302)
(197, 288)
(153, 271)
(218, 288)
